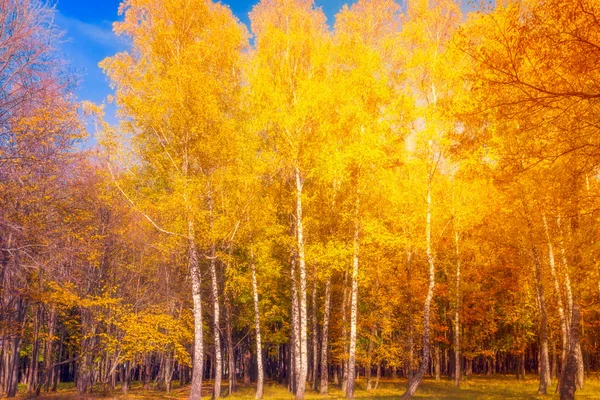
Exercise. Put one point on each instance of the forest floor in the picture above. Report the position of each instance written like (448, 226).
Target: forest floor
(476, 388)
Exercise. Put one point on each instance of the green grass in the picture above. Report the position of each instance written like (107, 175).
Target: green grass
(479, 387)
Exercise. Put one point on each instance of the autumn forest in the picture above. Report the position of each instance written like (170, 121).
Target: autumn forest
(403, 201)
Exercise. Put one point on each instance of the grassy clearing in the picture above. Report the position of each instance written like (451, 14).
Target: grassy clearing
(479, 387)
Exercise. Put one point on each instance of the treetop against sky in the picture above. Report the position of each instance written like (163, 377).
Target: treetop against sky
(90, 38)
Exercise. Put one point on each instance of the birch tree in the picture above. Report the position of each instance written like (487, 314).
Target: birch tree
(180, 129)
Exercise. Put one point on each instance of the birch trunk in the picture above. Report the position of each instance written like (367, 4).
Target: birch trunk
(259, 360)
(414, 383)
(457, 364)
(544, 364)
(315, 341)
(557, 292)
(218, 364)
(344, 362)
(353, 306)
(301, 389)
(411, 335)
(569, 291)
(198, 358)
(230, 350)
(568, 384)
(325, 337)
(295, 330)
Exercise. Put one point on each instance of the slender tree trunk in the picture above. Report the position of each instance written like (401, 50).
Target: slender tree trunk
(558, 294)
(438, 362)
(147, 371)
(568, 378)
(522, 366)
(544, 364)
(580, 370)
(353, 304)
(12, 380)
(414, 383)
(198, 357)
(33, 368)
(230, 350)
(126, 377)
(457, 364)
(168, 375)
(344, 360)
(247, 360)
(301, 389)
(315, 340)
(56, 369)
(325, 337)
(259, 360)
(554, 363)
(411, 335)
(218, 362)
(295, 330)
(368, 366)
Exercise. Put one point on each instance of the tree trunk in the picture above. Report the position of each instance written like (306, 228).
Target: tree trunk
(198, 356)
(411, 335)
(438, 363)
(126, 377)
(315, 341)
(295, 330)
(469, 368)
(247, 359)
(544, 364)
(353, 305)
(457, 365)
(368, 366)
(558, 294)
(147, 371)
(567, 276)
(325, 337)
(259, 360)
(344, 360)
(414, 383)
(301, 389)
(218, 362)
(33, 368)
(568, 378)
(230, 350)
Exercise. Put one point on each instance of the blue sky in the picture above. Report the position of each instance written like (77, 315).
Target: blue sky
(89, 38)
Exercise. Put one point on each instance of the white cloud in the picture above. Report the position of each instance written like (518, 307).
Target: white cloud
(99, 34)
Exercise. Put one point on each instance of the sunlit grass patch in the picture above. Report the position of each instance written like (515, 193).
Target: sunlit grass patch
(478, 387)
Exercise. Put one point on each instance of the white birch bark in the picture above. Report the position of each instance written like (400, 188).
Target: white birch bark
(301, 389)
(259, 360)
(216, 323)
(353, 306)
(295, 329)
(557, 292)
(315, 341)
(457, 363)
(578, 355)
(545, 379)
(344, 333)
(414, 383)
(198, 359)
(325, 338)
